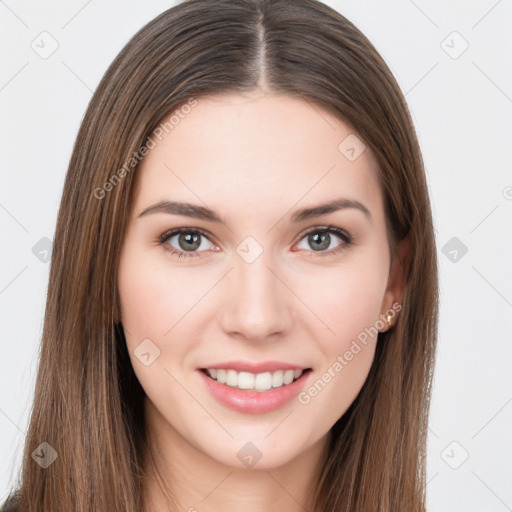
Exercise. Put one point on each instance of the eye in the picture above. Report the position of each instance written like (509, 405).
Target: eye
(186, 242)
(320, 239)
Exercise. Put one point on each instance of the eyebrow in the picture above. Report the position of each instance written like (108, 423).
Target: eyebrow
(204, 213)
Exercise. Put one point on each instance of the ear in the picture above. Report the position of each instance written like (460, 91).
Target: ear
(396, 283)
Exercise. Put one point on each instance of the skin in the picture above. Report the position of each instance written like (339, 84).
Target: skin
(254, 159)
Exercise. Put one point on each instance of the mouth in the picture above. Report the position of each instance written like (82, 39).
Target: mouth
(254, 393)
(255, 382)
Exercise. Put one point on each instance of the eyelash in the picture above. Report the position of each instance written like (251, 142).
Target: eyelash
(347, 240)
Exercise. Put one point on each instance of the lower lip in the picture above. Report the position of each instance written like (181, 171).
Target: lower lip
(254, 402)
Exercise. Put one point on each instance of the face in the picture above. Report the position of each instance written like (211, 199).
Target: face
(240, 276)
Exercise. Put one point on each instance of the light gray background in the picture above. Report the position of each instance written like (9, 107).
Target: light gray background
(462, 109)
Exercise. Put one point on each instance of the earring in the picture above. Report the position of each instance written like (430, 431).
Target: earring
(389, 317)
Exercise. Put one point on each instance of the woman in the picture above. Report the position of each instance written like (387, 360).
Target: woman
(242, 306)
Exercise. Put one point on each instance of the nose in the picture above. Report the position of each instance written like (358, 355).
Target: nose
(257, 304)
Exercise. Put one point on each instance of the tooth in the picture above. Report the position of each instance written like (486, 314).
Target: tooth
(249, 381)
(288, 376)
(277, 378)
(232, 378)
(245, 380)
(263, 381)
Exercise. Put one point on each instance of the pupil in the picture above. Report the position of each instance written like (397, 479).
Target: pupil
(323, 240)
(190, 238)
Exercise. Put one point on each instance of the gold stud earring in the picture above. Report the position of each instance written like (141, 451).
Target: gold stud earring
(389, 317)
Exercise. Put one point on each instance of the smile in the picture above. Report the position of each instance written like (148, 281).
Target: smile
(246, 392)
(254, 382)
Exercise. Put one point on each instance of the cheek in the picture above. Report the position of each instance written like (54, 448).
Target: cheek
(347, 300)
(151, 302)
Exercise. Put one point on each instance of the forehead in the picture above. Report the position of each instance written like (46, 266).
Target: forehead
(257, 151)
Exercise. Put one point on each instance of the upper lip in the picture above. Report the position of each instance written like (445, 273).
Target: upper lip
(253, 367)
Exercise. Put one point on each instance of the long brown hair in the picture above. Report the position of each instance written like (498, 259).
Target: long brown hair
(88, 404)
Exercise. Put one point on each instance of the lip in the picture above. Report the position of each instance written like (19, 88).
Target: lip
(254, 402)
(248, 366)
